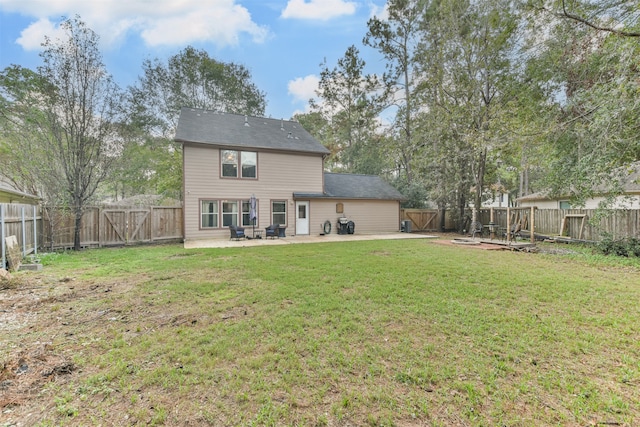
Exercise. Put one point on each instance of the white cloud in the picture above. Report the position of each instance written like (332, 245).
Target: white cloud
(221, 23)
(382, 13)
(318, 9)
(32, 37)
(304, 88)
(159, 22)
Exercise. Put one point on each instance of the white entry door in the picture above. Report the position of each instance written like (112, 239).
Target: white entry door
(302, 217)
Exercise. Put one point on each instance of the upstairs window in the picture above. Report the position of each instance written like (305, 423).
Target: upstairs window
(229, 163)
(239, 164)
(249, 162)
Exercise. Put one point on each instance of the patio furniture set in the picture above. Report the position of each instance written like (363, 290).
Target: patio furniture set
(272, 231)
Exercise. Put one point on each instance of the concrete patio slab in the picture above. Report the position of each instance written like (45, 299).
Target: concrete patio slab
(289, 240)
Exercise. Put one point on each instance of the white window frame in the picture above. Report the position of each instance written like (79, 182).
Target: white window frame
(214, 204)
(225, 159)
(274, 213)
(233, 214)
(253, 161)
(241, 158)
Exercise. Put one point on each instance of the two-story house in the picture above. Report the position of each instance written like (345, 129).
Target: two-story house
(229, 158)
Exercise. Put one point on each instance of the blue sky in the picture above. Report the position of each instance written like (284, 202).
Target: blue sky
(282, 42)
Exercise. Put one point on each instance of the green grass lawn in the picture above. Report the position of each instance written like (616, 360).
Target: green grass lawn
(376, 333)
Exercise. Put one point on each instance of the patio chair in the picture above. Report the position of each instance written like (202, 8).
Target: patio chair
(237, 233)
(476, 228)
(272, 231)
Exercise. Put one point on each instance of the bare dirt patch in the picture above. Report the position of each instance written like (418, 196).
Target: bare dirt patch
(475, 245)
(49, 326)
(43, 322)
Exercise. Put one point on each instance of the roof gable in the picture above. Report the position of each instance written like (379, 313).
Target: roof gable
(244, 132)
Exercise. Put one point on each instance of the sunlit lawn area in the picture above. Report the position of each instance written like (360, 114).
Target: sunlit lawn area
(336, 334)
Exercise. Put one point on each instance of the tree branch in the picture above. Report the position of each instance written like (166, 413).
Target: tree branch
(588, 23)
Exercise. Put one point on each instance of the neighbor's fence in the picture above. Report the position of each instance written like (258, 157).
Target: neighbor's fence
(573, 223)
(581, 224)
(21, 221)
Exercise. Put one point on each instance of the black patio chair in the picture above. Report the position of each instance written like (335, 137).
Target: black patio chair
(272, 231)
(237, 233)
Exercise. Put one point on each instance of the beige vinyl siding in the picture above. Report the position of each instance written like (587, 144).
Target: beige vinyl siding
(369, 216)
(279, 176)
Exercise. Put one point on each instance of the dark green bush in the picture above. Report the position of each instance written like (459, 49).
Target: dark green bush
(634, 246)
(626, 247)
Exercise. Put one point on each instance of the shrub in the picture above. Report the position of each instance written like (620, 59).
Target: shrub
(634, 246)
(626, 247)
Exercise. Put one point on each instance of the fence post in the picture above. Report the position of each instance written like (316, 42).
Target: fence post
(127, 217)
(152, 221)
(508, 230)
(35, 232)
(532, 224)
(492, 228)
(24, 233)
(4, 253)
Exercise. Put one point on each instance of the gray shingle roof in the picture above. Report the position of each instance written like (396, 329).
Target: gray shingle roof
(354, 186)
(233, 130)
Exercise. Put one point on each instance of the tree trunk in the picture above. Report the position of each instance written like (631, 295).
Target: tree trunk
(462, 205)
(477, 202)
(442, 212)
(78, 227)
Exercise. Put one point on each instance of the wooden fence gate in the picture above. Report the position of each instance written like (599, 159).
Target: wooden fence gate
(422, 219)
(123, 226)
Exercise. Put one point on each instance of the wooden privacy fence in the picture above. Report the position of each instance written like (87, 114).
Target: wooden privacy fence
(21, 221)
(421, 219)
(113, 226)
(581, 224)
(426, 219)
